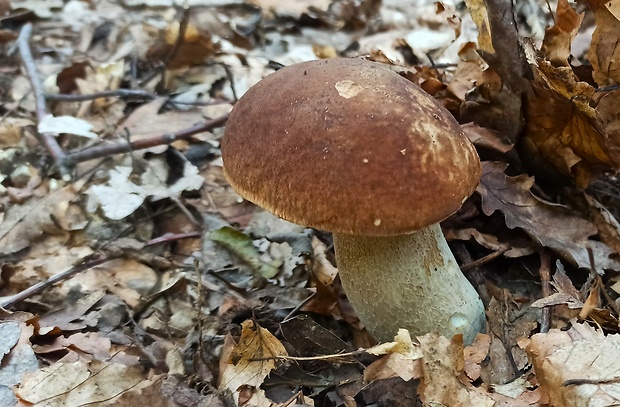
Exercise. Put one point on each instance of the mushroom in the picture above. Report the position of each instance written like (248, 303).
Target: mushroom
(349, 146)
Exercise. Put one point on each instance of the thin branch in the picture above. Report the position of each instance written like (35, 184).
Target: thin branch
(86, 264)
(577, 382)
(180, 37)
(337, 357)
(106, 150)
(545, 280)
(299, 306)
(125, 93)
(49, 139)
(484, 260)
(31, 69)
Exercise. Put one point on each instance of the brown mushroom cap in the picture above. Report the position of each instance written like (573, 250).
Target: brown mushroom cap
(348, 145)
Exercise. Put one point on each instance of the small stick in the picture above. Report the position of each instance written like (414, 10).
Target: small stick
(180, 37)
(484, 260)
(545, 278)
(295, 310)
(335, 357)
(171, 237)
(86, 264)
(125, 93)
(49, 139)
(107, 150)
(576, 382)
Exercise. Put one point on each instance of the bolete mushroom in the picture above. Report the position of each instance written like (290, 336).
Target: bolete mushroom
(349, 146)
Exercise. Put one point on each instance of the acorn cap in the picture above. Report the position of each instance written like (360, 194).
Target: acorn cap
(348, 145)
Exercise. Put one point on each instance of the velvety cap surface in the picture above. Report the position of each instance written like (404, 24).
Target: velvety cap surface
(349, 146)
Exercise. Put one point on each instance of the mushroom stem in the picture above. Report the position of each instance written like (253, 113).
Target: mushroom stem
(408, 281)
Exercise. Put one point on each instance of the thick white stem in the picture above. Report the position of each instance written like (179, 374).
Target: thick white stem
(408, 281)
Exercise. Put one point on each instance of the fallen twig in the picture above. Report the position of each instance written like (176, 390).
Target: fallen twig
(48, 139)
(337, 357)
(484, 260)
(183, 24)
(545, 278)
(106, 150)
(125, 93)
(88, 263)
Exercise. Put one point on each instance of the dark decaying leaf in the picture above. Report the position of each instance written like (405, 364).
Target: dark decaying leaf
(549, 225)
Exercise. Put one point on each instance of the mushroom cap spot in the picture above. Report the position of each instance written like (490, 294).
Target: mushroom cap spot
(295, 146)
(347, 89)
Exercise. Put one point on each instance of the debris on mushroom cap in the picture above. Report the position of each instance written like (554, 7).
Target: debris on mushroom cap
(348, 145)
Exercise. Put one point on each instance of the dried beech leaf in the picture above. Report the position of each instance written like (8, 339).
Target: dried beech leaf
(549, 225)
(558, 38)
(563, 283)
(604, 54)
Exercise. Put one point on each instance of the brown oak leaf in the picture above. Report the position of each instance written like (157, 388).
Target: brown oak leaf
(550, 225)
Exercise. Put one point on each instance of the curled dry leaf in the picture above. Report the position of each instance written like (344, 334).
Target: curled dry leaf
(549, 225)
(604, 54)
(558, 38)
(563, 128)
(480, 15)
(66, 125)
